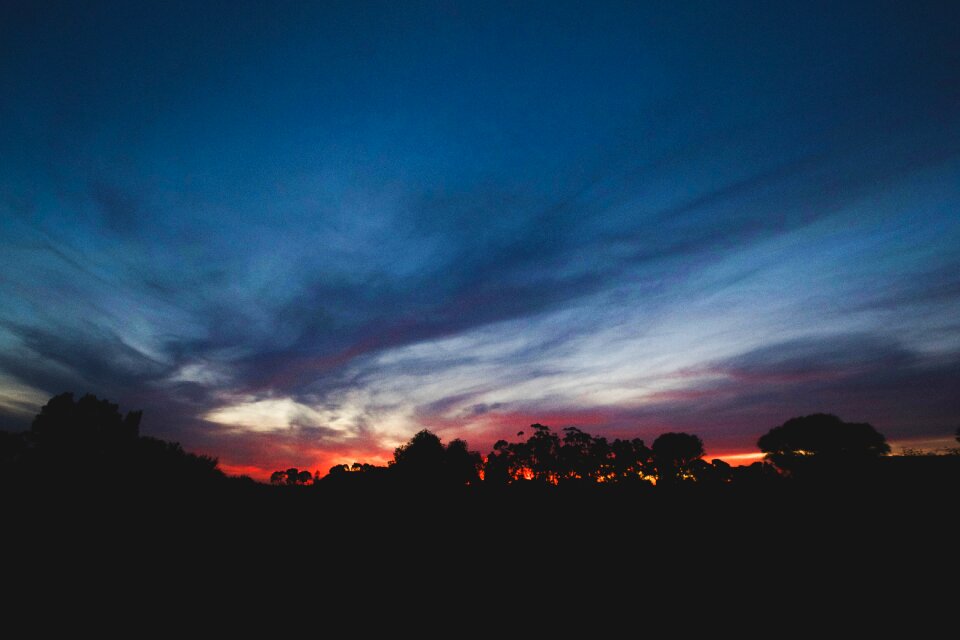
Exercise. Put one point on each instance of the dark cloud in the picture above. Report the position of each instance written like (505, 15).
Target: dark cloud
(937, 286)
(483, 408)
(866, 378)
(819, 358)
(60, 357)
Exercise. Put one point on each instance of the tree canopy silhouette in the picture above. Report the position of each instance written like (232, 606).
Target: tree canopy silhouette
(674, 455)
(424, 459)
(577, 457)
(90, 440)
(291, 476)
(84, 427)
(821, 440)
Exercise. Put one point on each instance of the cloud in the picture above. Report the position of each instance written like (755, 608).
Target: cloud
(864, 378)
(819, 359)
(91, 355)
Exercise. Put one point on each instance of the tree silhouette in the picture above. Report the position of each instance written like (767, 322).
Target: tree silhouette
(462, 465)
(501, 466)
(424, 459)
(90, 440)
(578, 456)
(421, 459)
(674, 455)
(165, 462)
(291, 476)
(583, 457)
(89, 426)
(537, 458)
(542, 454)
(632, 460)
(356, 467)
(821, 440)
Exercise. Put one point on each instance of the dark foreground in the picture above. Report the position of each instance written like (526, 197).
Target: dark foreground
(882, 518)
(721, 554)
(90, 505)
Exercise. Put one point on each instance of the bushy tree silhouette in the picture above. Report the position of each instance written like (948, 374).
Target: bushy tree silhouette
(821, 441)
(291, 476)
(674, 455)
(90, 440)
(424, 459)
(89, 426)
(632, 460)
(421, 459)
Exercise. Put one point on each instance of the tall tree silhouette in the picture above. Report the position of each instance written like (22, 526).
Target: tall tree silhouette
(584, 457)
(543, 454)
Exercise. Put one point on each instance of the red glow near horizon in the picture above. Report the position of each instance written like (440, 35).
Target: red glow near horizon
(322, 463)
(317, 462)
(266, 455)
(481, 434)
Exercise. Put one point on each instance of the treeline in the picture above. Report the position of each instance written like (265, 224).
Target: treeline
(818, 447)
(545, 457)
(89, 442)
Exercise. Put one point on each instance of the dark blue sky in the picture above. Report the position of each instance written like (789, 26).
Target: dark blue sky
(296, 233)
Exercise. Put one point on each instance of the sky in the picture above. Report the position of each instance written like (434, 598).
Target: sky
(296, 233)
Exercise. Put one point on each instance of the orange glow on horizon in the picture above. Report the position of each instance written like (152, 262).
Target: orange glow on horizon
(738, 459)
(257, 473)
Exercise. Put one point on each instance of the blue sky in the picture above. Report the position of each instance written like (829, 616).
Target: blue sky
(298, 233)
